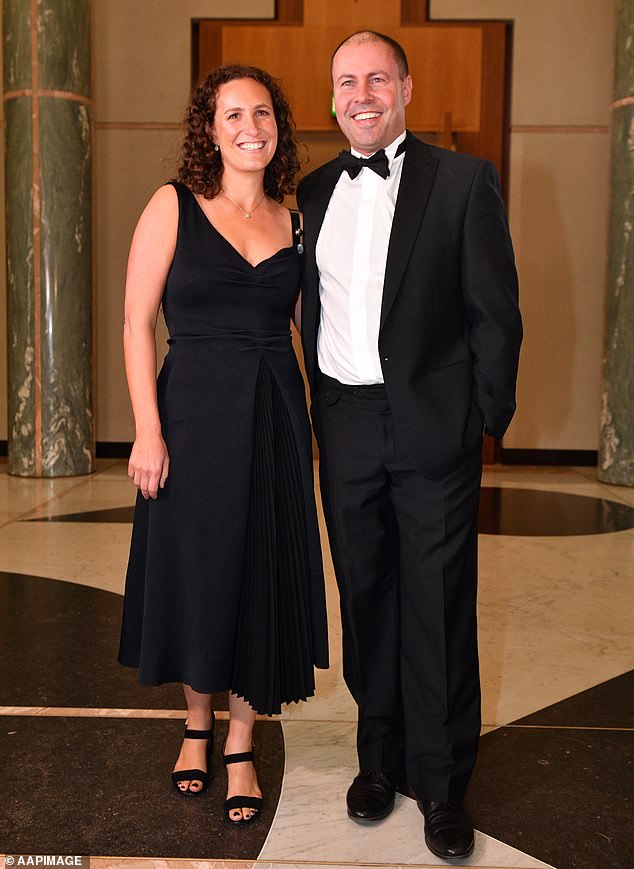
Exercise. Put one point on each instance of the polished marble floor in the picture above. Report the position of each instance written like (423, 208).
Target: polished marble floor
(86, 752)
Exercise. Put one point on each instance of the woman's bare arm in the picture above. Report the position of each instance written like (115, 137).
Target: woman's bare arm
(151, 254)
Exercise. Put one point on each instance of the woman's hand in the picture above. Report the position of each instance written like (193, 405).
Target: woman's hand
(149, 464)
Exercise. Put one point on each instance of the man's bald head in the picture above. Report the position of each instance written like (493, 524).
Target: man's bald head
(362, 36)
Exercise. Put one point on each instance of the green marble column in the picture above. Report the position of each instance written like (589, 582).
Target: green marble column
(48, 208)
(616, 453)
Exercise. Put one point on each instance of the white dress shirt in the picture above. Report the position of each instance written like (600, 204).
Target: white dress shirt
(351, 257)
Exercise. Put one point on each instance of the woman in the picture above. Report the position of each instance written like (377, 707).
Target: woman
(224, 588)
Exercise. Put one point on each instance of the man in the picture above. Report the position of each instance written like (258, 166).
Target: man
(411, 337)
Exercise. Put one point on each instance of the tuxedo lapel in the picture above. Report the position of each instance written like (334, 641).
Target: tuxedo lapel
(417, 180)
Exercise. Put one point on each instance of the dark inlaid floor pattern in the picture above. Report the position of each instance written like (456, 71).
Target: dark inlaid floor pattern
(610, 704)
(534, 513)
(522, 512)
(60, 646)
(559, 784)
(102, 786)
(117, 515)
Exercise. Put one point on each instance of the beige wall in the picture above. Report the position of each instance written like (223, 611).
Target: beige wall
(558, 203)
(561, 92)
(141, 74)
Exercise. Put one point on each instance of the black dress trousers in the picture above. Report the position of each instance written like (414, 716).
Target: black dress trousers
(405, 555)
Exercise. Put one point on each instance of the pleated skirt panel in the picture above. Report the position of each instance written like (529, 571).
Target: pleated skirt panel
(274, 643)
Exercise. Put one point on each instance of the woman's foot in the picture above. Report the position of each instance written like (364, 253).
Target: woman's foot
(244, 797)
(192, 760)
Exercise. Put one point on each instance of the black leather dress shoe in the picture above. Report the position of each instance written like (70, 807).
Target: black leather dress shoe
(370, 797)
(448, 833)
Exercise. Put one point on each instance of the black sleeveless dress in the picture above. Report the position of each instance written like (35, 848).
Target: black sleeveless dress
(224, 588)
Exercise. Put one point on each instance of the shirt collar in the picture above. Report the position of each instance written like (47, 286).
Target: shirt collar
(390, 151)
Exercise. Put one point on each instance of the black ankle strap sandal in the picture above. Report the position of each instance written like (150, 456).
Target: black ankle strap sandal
(239, 802)
(192, 775)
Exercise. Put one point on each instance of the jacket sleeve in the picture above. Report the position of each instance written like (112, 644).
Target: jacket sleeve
(490, 288)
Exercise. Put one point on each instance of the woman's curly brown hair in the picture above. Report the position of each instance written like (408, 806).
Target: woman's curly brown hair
(201, 167)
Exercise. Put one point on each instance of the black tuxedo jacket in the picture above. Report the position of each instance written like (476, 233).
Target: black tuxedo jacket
(450, 325)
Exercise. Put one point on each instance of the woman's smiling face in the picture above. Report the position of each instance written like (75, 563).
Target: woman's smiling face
(244, 125)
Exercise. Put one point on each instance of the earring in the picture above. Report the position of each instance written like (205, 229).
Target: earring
(216, 148)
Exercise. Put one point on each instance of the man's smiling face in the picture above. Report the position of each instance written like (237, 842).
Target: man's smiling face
(370, 95)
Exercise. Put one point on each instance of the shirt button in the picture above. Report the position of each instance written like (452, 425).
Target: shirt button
(386, 358)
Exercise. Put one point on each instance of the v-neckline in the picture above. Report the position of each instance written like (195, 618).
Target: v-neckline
(233, 247)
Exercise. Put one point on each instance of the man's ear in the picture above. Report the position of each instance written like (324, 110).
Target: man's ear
(407, 89)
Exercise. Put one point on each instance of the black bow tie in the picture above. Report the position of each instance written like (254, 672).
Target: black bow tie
(353, 165)
(378, 162)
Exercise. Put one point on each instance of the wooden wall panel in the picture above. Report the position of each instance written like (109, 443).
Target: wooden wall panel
(445, 61)
(289, 11)
(491, 139)
(411, 12)
(352, 15)
(445, 64)
(414, 11)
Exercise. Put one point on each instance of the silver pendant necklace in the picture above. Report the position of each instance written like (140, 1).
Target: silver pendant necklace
(246, 214)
